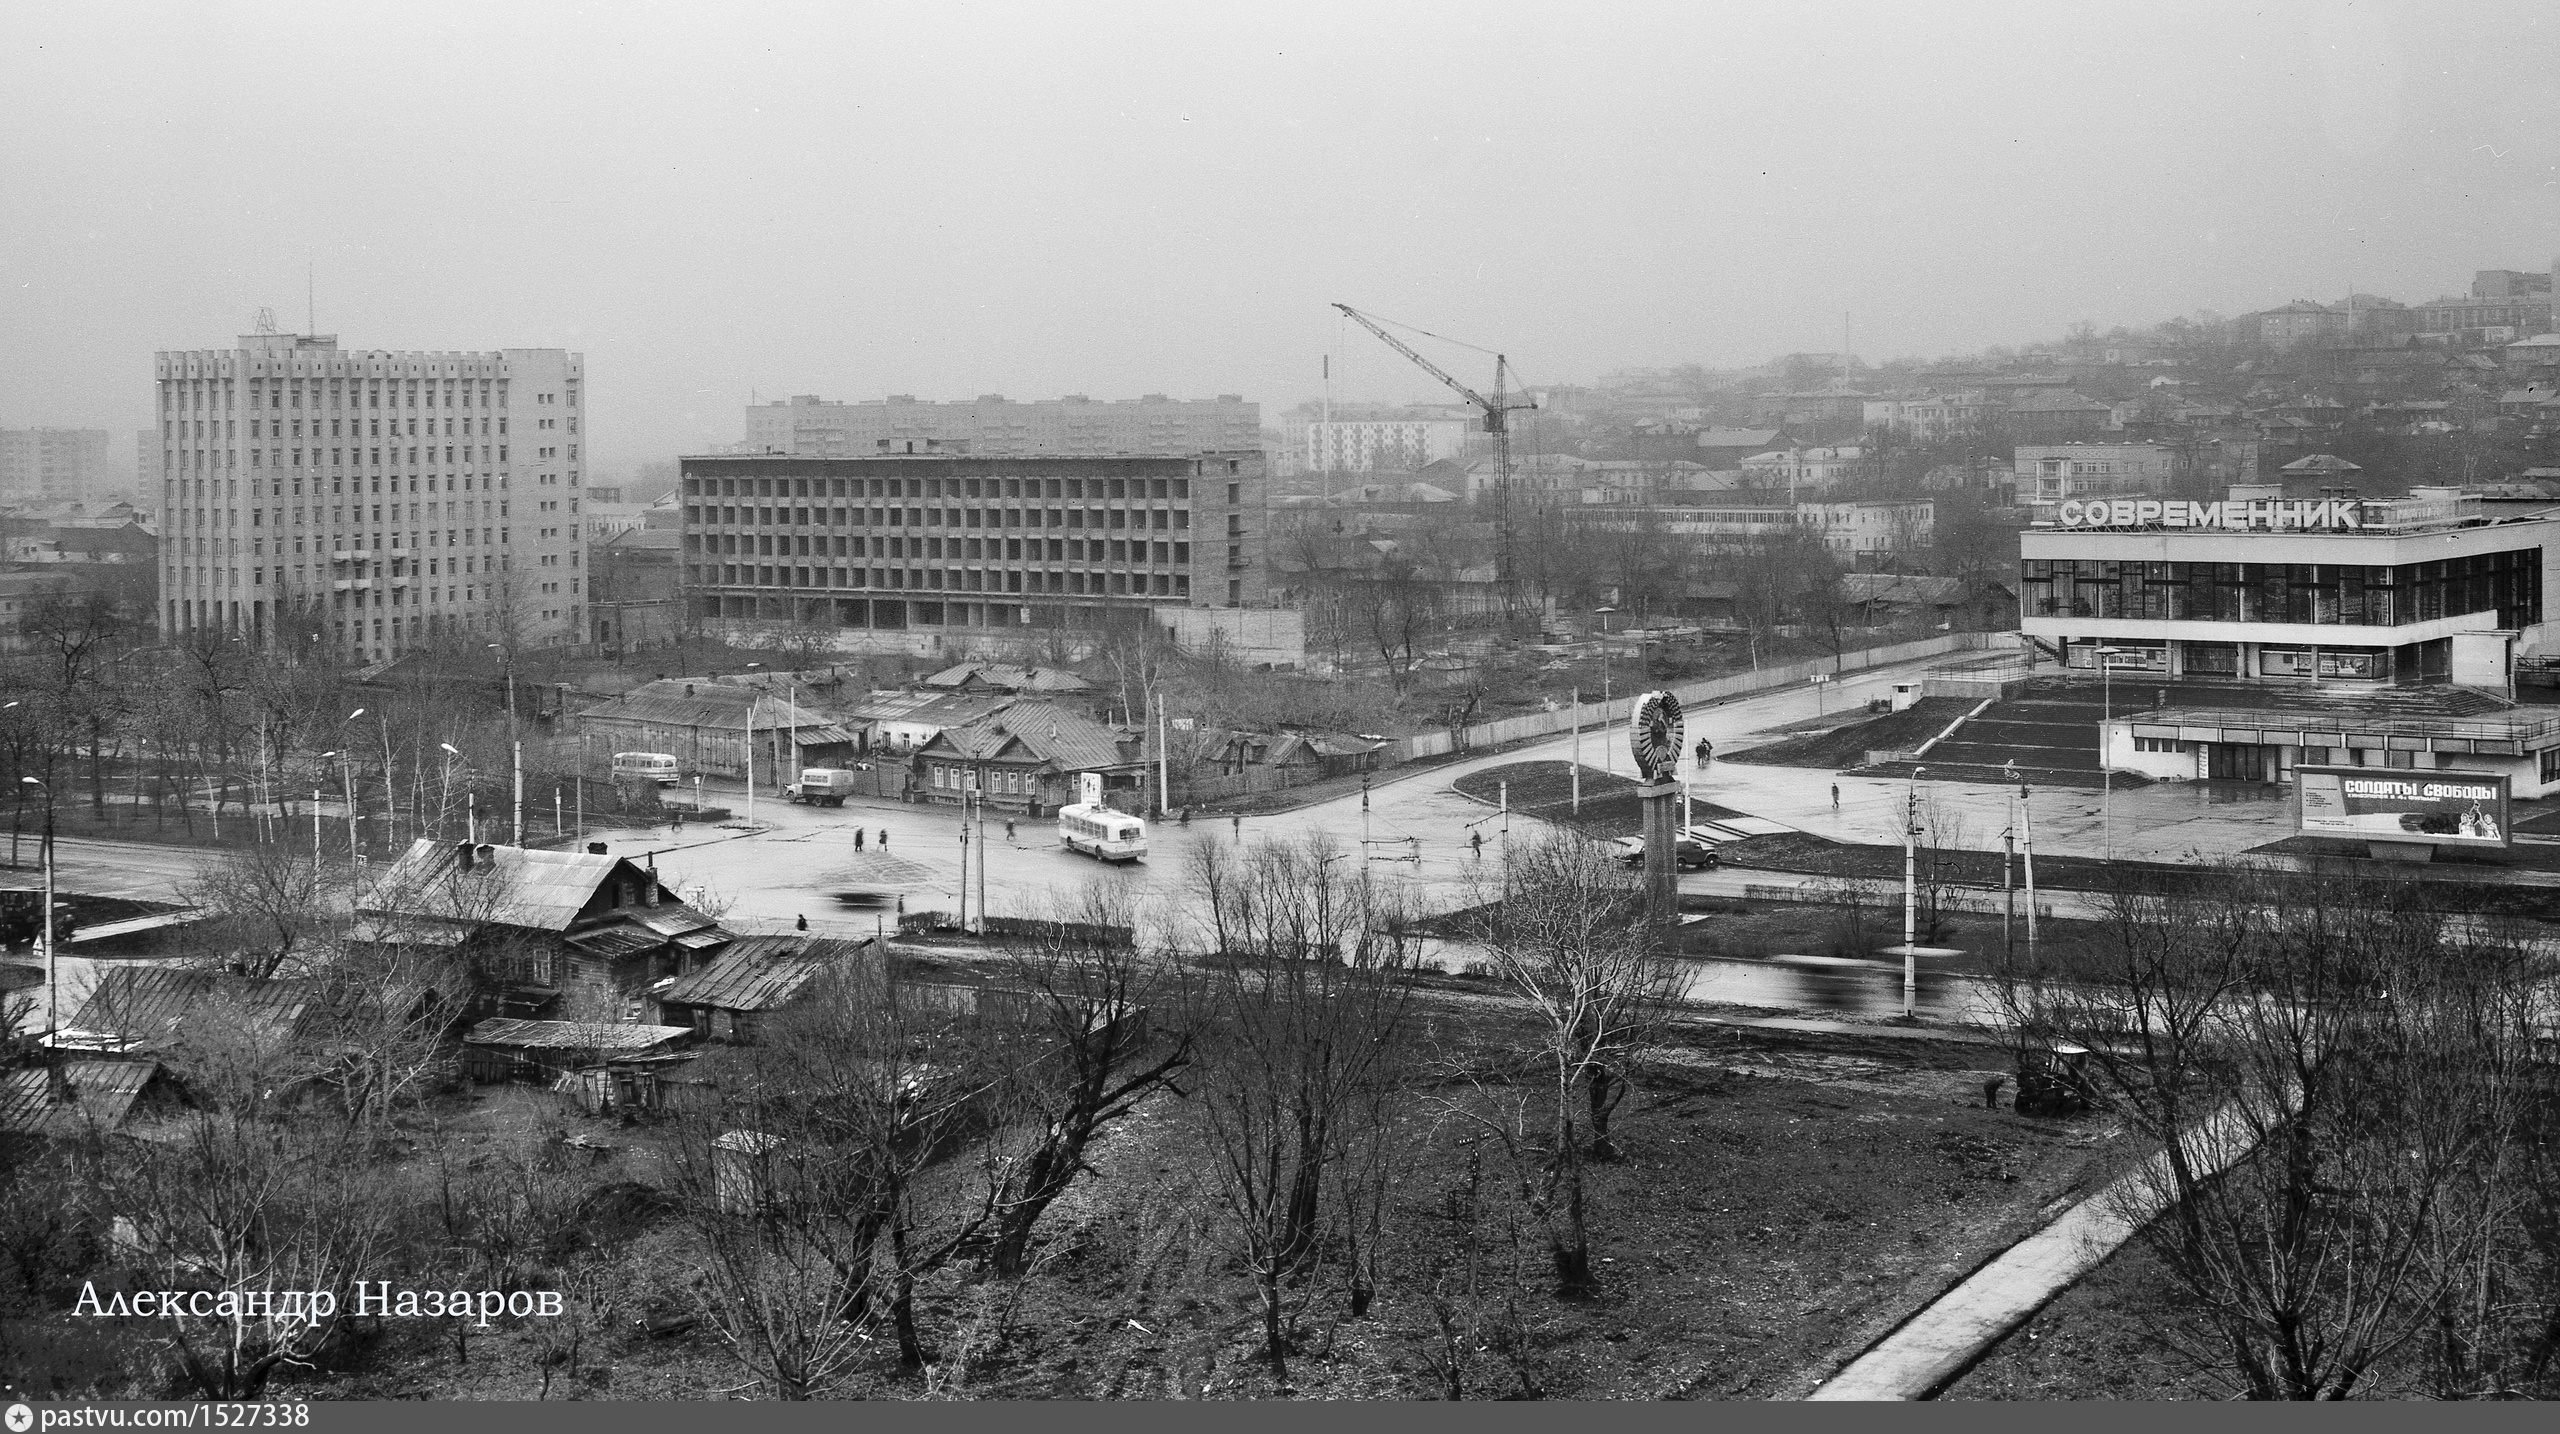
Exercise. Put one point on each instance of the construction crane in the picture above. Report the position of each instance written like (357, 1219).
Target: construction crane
(1497, 421)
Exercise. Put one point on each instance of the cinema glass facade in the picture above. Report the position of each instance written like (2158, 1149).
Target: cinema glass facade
(2343, 594)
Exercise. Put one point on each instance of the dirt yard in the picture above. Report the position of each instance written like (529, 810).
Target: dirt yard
(1783, 1201)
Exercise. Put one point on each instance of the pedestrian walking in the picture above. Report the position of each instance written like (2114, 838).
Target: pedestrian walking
(1476, 840)
(802, 924)
(1239, 821)
(884, 838)
(1008, 829)
(859, 834)
(1835, 796)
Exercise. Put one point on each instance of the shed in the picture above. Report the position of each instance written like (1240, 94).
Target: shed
(90, 1095)
(504, 1049)
(726, 999)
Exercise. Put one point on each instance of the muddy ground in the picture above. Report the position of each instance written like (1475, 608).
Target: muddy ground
(1783, 1201)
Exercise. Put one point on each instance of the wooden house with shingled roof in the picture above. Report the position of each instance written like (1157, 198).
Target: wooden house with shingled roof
(1026, 759)
(578, 934)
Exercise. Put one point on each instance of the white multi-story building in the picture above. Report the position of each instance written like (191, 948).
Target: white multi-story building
(53, 465)
(1803, 468)
(2051, 472)
(992, 425)
(1366, 445)
(377, 500)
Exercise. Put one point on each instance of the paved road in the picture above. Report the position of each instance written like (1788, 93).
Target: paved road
(799, 858)
(796, 863)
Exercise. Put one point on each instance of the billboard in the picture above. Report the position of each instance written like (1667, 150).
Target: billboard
(2443, 808)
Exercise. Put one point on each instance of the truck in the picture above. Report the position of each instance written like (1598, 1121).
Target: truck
(822, 786)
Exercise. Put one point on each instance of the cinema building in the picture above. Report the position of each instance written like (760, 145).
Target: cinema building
(2246, 636)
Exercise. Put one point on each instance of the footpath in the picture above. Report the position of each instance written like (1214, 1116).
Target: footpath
(1931, 1349)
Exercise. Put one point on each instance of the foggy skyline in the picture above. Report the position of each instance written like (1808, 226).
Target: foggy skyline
(965, 199)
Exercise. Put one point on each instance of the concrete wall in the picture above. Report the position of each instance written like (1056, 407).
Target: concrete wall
(1252, 636)
(2181, 766)
(2480, 658)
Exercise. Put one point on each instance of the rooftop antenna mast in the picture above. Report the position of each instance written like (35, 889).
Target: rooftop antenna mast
(1497, 411)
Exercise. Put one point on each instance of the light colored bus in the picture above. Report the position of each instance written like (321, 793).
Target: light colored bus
(1101, 833)
(658, 767)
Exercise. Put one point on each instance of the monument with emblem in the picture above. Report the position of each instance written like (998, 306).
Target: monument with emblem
(1654, 734)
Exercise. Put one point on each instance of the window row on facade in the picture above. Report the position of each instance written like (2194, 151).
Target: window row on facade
(1014, 580)
(1160, 519)
(274, 394)
(1034, 550)
(1076, 489)
(2348, 594)
(890, 614)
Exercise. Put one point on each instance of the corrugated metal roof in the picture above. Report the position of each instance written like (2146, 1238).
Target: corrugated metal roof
(1068, 741)
(700, 702)
(145, 1007)
(760, 972)
(1012, 677)
(102, 1093)
(936, 709)
(508, 1034)
(509, 886)
(614, 942)
(667, 918)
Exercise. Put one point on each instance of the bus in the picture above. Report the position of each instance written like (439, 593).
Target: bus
(1101, 833)
(658, 767)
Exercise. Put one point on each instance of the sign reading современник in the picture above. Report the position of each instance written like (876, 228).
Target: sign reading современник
(2331, 513)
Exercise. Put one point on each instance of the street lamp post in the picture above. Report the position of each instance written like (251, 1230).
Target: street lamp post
(347, 765)
(515, 742)
(444, 798)
(1911, 894)
(17, 816)
(44, 918)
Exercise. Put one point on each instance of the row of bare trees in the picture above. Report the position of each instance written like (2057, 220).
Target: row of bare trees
(2374, 1067)
(905, 1166)
(898, 1163)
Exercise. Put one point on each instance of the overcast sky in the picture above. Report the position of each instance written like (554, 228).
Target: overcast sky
(948, 199)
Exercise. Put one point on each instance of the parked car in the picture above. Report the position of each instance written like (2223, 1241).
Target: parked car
(1688, 853)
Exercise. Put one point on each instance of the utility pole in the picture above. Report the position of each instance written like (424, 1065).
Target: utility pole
(1577, 751)
(44, 919)
(982, 856)
(2027, 831)
(1911, 896)
(964, 858)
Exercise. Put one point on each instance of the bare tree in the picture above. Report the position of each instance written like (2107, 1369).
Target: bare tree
(277, 909)
(1563, 925)
(244, 1198)
(2360, 1063)
(1085, 1052)
(807, 1186)
(1300, 1018)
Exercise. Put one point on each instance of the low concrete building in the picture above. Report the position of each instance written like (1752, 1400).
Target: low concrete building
(2347, 599)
